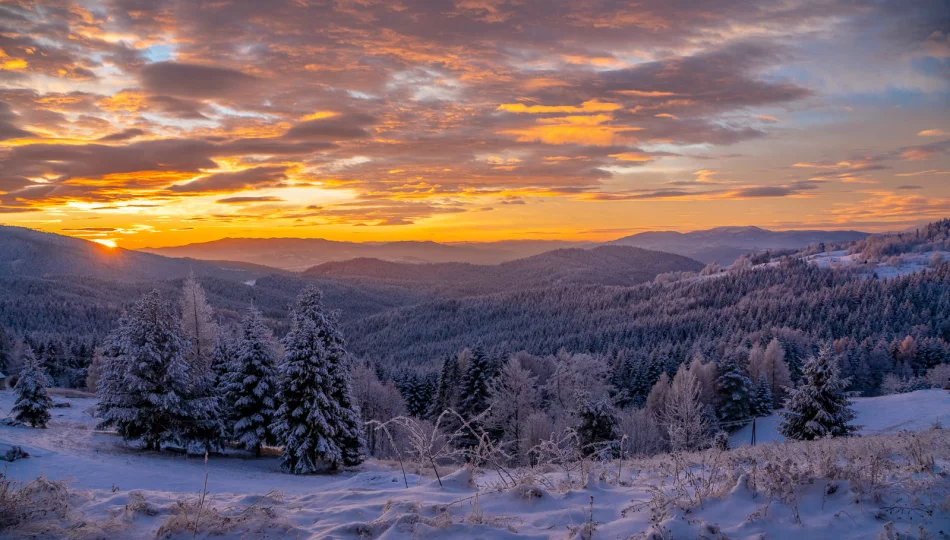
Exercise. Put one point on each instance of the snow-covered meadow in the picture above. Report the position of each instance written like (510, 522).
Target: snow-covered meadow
(860, 487)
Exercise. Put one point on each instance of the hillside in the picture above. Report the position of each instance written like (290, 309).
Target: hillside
(94, 484)
(606, 265)
(28, 253)
(301, 253)
(724, 244)
(800, 303)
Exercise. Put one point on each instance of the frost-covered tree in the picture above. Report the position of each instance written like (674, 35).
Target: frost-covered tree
(147, 390)
(778, 372)
(734, 390)
(32, 402)
(197, 324)
(251, 385)
(686, 421)
(818, 408)
(318, 423)
(760, 403)
(659, 394)
(514, 397)
(446, 392)
(706, 374)
(597, 421)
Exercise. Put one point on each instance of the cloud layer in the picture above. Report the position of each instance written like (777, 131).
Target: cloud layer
(414, 118)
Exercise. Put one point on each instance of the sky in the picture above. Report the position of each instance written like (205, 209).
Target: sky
(151, 123)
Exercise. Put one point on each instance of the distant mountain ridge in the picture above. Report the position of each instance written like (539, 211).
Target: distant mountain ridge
(725, 244)
(721, 244)
(603, 265)
(298, 254)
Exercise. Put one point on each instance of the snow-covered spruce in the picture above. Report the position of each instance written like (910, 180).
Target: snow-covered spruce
(760, 403)
(475, 392)
(32, 403)
(818, 408)
(147, 391)
(250, 385)
(733, 390)
(446, 392)
(317, 422)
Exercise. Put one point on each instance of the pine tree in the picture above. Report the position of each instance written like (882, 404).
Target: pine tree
(317, 421)
(761, 402)
(32, 403)
(251, 385)
(447, 389)
(474, 392)
(733, 389)
(197, 324)
(818, 407)
(6, 350)
(147, 391)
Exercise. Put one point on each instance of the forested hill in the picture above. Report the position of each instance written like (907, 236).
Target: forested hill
(667, 323)
(606, 265)
(28, 253)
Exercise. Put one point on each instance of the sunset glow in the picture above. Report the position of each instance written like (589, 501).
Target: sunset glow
(152, 123)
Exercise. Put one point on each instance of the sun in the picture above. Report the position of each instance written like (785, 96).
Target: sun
(106, 242)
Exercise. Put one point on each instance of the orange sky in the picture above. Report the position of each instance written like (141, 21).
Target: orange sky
(152, 123)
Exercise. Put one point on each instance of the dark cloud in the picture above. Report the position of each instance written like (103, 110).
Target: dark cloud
(234, 181)
(333, 128)
(123, 135)
(179, 108)
(7, 128)
(194, 80)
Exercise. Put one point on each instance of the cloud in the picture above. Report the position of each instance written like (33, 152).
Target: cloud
(590, 106)
(245, 200)
(123, 135)
(932, 133)
(234, 181)
(194, 80)
(332, 128)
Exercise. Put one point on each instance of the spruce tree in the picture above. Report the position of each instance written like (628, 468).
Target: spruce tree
(733, 390)
(761, 402)
(6, 350)
(32, 403)
(147, 391)
(474, 392)
(447, 388)
(818, 407)
(251, 385)
(317, 421)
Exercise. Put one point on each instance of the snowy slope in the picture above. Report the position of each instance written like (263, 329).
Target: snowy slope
(118, 492)
(913, 411)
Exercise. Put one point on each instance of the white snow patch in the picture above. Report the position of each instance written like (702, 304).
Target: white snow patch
(914, 411)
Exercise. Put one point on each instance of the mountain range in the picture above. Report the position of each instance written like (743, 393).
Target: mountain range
(722, 245)
(298, 254)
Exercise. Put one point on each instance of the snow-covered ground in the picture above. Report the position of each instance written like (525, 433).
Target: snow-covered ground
(914, 411)
(118, 492)
(908, 262)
